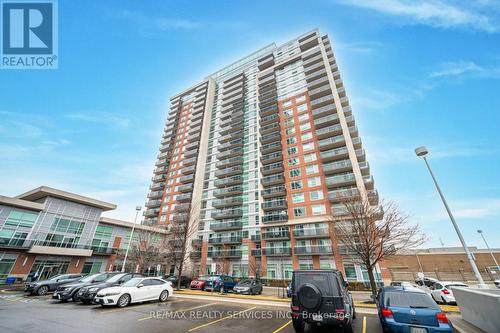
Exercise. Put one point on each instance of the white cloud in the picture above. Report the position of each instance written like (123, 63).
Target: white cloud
(158, 22)
(465, 68)
(436, 13)
(362, 47)
(112, 120)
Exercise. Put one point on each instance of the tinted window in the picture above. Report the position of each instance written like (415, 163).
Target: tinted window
(321, 281)
(126, 278)
(156, 282)
(409, 300)
(438, 286)
(147, 282)
(456, 285)
(101, 278)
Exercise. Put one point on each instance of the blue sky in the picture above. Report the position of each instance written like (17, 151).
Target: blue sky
(419, 72)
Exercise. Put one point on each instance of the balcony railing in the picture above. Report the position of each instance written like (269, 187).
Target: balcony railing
(225, 240)
(275, 235)
(340, 180)
(233, 180)
(229, 224)
(227, 202)
(274, 191)
(226, 213)
(273, 179)
(309, 232)
(224, 254)
(276, 251)
(275, 217)
(227, 191)
(274, 204)
(313, 249)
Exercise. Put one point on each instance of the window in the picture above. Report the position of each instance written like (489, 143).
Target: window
(288, 113)
(290, 130)
(291, 140)
(300, 99)
(302, 107)
(299, 211)
(316, 195)
(293, 161)
(289, 122)
(295, 173)
(308, 146)
(313, 181)
(306, 136)
(297, 197)
(318, 209)
(305, 126)
(287, 104)
(296, 185)
(310, 157)
(311, 169)
(292, 150)
(303, 117)
(22, 219)
(103, 231)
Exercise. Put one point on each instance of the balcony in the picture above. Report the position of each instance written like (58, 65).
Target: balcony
(224, 254)
(157, 186)
(271, 157)
(227, 202)
(187, 179)
(322, 101)
(340, 180)
(255, 238)
(188, 170)
(233, 180)
(151, 212)
(324, 111)
(160, 170)
(270, 147)
(320, 91)
(276, 235)
(236, 118)
(311, 232)
(185, 188)
(223, 225)
(231, 171)
(161, 162)
(275, 217)
(195, 254)
(275, 137)
(368, 180)
(308, 41)
(153, 203)
(273, 179)
(334, 154)
(317, 82)
(267, 129)
(229, 162)
(364, 167)
(313, 250)
(228, 191)
(269, 119)
(225, 240)
(231, 144)
(339, 195)
(333, 142)
(326, 121)
(183, 197)
(272, 168)
(230, 153)
(189, 161)
(155, 194)
(183, 207)
(191, 153)
(226, 213)
(256, 252)
(231, 136)
(373, 197)
(274, 204)
(329, 131)
(158, 178)
(276, 251)
(268, 110)
(231, 128)
(274, 191)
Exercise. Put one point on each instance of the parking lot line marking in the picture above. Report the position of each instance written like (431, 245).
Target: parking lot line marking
(133, 307)
(282, 327)
(221, 319)
(364, 324)
(188, 309)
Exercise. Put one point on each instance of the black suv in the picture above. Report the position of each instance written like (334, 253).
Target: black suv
(320, 297)
(86, 294)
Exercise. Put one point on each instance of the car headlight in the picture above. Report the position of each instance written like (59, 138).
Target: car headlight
(93, 289)
(112, 294)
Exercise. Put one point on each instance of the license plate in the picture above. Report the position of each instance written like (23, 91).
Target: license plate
(317, 317)
(418, 330)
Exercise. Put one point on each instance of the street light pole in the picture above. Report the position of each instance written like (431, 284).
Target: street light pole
(488, 247)
(422, 152)
(137, 210)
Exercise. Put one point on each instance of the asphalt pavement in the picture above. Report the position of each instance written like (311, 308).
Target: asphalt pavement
(21, 313)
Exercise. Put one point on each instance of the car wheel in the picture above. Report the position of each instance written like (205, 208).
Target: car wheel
(164, 296)
(348, 328)
(123, 301)
(298, 325)
(42, 290)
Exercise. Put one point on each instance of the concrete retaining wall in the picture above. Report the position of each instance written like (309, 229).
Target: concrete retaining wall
(480, 307)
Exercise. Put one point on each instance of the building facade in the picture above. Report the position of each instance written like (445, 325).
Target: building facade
(50, 232)
(261, 153)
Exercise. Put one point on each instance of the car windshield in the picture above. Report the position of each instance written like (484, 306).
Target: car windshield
(89, 278)
(409, 300)
(132, 282)
(116, 277)
(456, 285)
(321, 281)
(246, 282)
(204, 278)
(55, 277)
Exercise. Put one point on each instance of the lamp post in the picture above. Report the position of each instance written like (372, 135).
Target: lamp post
(422, 152)
(488, 247)
(137, 210)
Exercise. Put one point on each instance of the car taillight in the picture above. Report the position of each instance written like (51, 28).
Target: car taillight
(387, 313)
(295, 308)
(441, 317)
(445, 291)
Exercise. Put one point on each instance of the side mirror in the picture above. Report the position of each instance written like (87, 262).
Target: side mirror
(140, 285)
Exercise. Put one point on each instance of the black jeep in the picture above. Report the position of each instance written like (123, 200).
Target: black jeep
(320, 297)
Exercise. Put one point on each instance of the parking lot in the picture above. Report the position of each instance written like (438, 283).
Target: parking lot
(21, 313)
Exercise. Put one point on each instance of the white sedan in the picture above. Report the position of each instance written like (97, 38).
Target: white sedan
(441, 291)
(135, 290)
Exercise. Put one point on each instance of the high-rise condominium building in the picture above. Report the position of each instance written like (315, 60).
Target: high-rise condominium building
(259, 155)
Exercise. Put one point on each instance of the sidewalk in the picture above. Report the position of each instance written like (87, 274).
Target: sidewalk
(461, 326)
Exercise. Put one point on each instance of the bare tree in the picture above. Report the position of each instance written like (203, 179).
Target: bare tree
(147, 248)
(372, 233)
(182, 229)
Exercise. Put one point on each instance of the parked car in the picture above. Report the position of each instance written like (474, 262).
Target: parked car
(426, 281)
(441, 291)
(69, 290)
(412, 310)
(220, 283)
(86, 294)
(44, 286)
(135, 290)
(185, 281)
(248, 286)
(289, 289)
(320, 297)
(401, 284)
(497, 283)
(199, 283)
